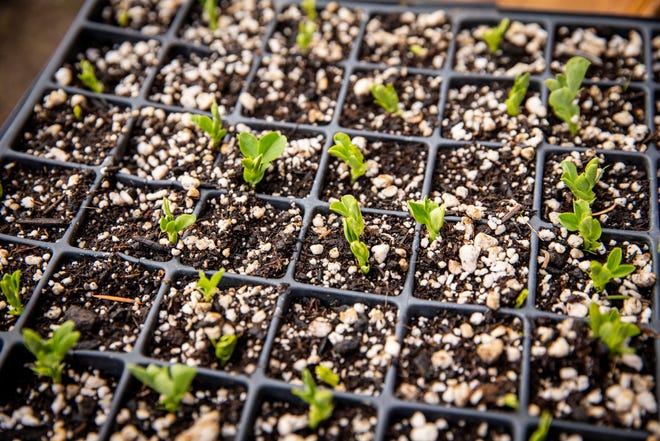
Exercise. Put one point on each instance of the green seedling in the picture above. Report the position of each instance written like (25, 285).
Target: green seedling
(78, 112)
(522, 297)
(224, 348)
(582, 185)
(348, 152)
(387, 98)
(517, 94)
(88, 77)
(541, 432)
(564, 90)
(171, 382)
(123, 19)
(418, 50)
(353, 228)
(307, 26)
(511, 401)
(493, 36)
(10, 286)
(580, 220)
(173, 227)
(320, 401)
(326, 375)
(209, 9)
(613, 269)
(50, 353)
(213, 127)
(609, 329)
(259, 153)
(309, 7)
(208, 287)
(428, 213)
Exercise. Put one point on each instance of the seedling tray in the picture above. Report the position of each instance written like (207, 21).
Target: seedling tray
(436, 350)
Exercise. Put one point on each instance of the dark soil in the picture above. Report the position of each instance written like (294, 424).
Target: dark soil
(448, 430)
(620, 180)
(40, 202)
(395, 175)
(385, 279)
(53, 132)
(153, 19)
(105, 324)
(420, 377)
(297, 339)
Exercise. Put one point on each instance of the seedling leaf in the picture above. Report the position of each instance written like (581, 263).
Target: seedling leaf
(208, 287)
(320, 401)
(259, 153)
(493, 36)
(522, 297)
(326, 375)
(11, 288)
(386, 97)
(542, 430)
(209, 10)
(50, 353)
(581, 221)
(517, 94)
(348, 152)
(174, 226)
(581, 185)
(428, 213)
(601, 275)
(88, 77)
(224, 348)
(213, 127)
(172, 382)
(564, 90)
(608, 328)
(353, 228)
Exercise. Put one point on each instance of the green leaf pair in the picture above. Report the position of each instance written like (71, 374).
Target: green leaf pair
(580, 220)
(10, 286)
(88, 77)
(608, 328)
(213, 127)
(259, 153)
(171, 226)
(50, 353)
(387, 98)
(581, 185)
(613, 269)
(353, 223)
(428, 213)
(348, 152)
(493, 36)
(208, 287)
(224, 347)
(320, 401)
(564, 89)
(171, 382)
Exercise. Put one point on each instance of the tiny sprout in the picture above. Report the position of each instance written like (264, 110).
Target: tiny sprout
(522, 297)
(581, 185)
(208, 287)
(77, 112)
(173, 227)
(541, 432)
(0, 190)
(172, 382)
(580, 220)
(564, 89)
(309, 6)
(88, 77)
(387, 98)
(305, 35)
(348, 152)
(511, 401)
(123, 19)
(320, 401)
(418, 50)
(609, 329)
(224, 348)
(602, 274)
(353, 228)
(428, 213)
(259, 153)
(517, 94)
(326, 375)
(213, 127)
(50, 353)
(10, 286)
(209, 9)
(493, 36)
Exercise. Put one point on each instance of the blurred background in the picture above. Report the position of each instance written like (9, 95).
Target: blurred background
(30, 30)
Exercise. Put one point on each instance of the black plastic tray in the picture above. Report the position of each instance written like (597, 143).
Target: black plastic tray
(519, 423)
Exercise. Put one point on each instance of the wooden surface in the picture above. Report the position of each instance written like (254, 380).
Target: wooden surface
(639, 8)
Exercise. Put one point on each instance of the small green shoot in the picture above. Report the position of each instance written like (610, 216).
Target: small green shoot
(171, 382)
(418, 51)
(173, 227)
(580, 220)
(428, 213)
(511, 401)
(259, 153)
(224, 348)
(348, 152)
(517, 94)
(309, 7)
(88, 77)
(123, 19)
(320, 401)
(0, 190)
(50, 353)
(387, 98)
(307, 25)
(522, 297)
(10, 286)
(564, 90)
(326, 375)
(209, 9)
(78, 112)
(609, 329)
(581, 185)
(208, 287)
(602, 274)
(493, 36)
(541, 432)
(213, 127)
(353, 228)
